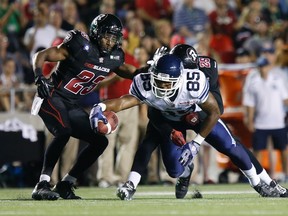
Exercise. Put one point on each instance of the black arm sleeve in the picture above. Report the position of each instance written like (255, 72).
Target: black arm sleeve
(159, 122)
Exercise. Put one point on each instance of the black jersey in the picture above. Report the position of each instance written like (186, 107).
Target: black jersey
(209, 66)
(85, 67)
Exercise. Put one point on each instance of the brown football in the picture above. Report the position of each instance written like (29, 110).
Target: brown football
(112, 124)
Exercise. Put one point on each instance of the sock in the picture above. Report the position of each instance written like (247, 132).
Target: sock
(69, 178)
(252, 176)
(135, 178)
(265, 177)
(44, 177)
(186, 172)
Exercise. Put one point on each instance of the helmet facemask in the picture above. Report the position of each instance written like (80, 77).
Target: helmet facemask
(109, 39)
(106, 33)
(166, 76)
(161, 79)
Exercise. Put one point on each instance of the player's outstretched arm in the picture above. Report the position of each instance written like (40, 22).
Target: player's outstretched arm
(125, 71)
(122, 103)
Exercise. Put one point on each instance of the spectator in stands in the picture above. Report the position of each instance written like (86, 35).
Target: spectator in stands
(134, 31)
(245, 26)
(265, 93)
(223, 19)
(189, 21)
(148, 43)
(70, 15)
(275, 16)
(152, 10)
(243, 56)
(41, 34)
(5, 53)
(56, 20)
(163, 32)
(11, 22)
(87, 9)
(261, 35)
(282, 57)
(8, 81)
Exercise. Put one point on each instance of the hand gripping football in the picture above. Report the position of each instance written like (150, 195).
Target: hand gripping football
(112, 124)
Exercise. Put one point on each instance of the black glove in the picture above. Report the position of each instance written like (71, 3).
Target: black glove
(44, 86)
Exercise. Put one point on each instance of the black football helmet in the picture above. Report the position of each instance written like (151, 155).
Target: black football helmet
(187, 54)
(109, 27)
(167, 69)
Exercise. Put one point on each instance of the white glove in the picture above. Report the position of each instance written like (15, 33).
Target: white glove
(159, 52)
(189, 150)
(96, 114)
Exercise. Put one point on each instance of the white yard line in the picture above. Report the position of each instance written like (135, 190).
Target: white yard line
(150, 193)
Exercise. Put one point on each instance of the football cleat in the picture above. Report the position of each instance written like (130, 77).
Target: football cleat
(279, 189)
(126, 191)
(66, 190)
(182, 184)
(265, 190)
(42, 191)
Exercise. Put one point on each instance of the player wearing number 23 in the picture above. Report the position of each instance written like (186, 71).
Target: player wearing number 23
(84, 60)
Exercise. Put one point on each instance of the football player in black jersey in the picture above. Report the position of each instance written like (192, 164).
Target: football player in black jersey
(84, 60)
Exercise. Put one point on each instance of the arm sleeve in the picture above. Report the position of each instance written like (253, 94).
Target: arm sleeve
(159, 122)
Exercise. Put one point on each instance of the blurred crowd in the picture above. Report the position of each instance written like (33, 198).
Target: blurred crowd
(218, 28)
(230, 31)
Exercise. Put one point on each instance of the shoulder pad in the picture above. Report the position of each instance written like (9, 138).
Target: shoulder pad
(76, 41)
(137, 88)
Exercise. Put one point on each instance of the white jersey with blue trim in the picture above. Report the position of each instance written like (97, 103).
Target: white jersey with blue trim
(194, 90)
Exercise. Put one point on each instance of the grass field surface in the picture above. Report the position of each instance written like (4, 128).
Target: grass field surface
(230, 200)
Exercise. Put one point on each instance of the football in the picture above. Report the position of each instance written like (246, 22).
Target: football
(112, 124)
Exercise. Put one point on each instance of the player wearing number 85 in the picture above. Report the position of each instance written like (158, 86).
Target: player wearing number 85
(175, 92)
(84, 60)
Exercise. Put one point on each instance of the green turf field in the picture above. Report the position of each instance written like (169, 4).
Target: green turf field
(230, 200)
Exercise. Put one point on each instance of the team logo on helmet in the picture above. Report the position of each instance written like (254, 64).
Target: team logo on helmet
(191, 52)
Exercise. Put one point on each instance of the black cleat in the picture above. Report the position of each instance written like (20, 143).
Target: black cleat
(66, 190)
(265, 190)
(182, 184)
(42, 191)
(126, 191)
(279, 189)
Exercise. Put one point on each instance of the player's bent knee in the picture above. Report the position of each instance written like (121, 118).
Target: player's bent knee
(174, 173)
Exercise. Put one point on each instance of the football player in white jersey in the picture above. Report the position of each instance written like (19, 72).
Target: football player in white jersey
(176, 92)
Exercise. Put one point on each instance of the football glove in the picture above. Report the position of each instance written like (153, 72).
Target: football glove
(96, 115)
(189, 150)
(159, 52)
(44, 86)
(177, 138)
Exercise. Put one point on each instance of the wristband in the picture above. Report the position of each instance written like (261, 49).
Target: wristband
(199, 139)
(103, 106)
